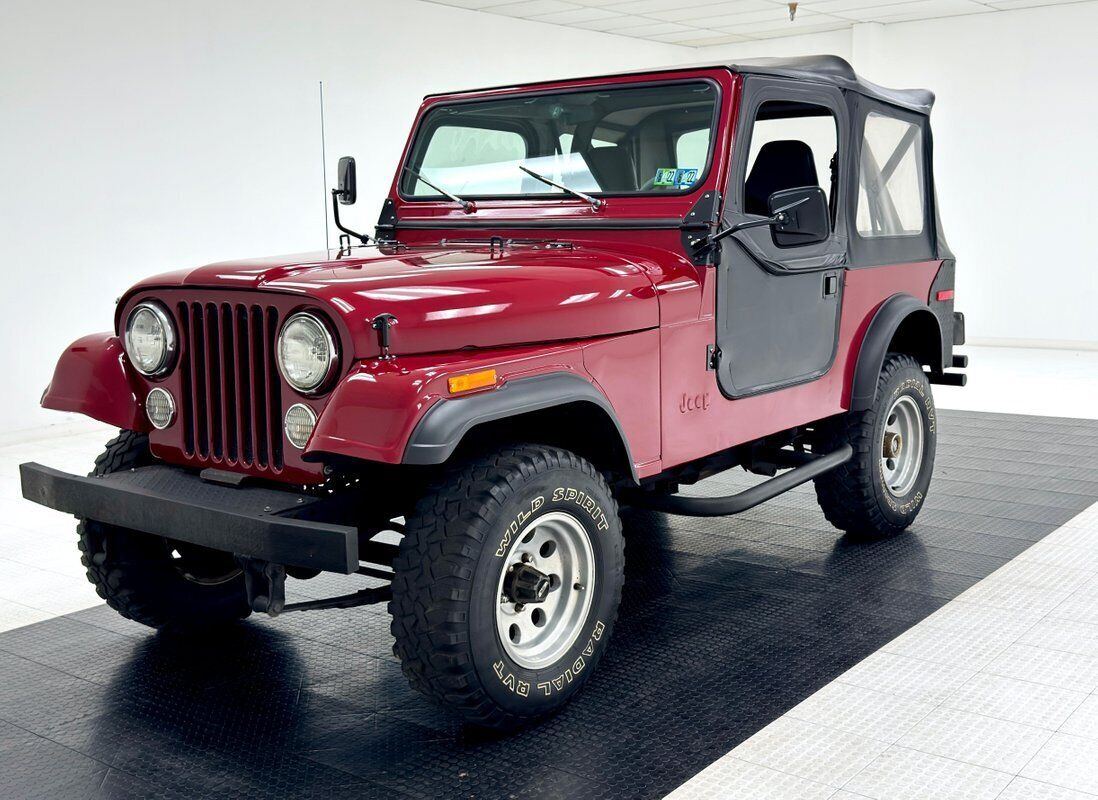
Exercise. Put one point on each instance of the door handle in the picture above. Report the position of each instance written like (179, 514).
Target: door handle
(830, 284)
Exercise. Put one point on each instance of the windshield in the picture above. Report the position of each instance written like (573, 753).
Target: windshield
(628, 141)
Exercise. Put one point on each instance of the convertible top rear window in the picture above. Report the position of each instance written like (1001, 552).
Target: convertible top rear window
(654, 139)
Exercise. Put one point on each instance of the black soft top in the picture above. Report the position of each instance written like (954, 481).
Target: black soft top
(836, 71)
(822, 69)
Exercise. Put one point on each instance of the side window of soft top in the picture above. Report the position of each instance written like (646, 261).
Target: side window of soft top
(891, 191)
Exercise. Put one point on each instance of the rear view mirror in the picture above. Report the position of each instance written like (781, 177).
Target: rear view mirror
(800, 216)
(347, 192)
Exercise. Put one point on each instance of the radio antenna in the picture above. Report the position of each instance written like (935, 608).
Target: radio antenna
(324, 168)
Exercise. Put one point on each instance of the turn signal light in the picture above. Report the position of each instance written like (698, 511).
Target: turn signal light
(474, 380)
(943, 295)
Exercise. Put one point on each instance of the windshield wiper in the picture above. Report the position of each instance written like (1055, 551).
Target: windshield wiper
(468, 206)
(595, 202)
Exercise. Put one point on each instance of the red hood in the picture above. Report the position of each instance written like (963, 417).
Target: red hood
(447, 298)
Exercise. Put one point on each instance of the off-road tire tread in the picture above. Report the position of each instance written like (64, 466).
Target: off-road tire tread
(114, 581)
(845, 494)
(434, 571)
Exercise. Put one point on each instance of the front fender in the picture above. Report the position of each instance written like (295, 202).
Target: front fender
(371, 413)
(92, 378)
(400, 412)
(445, 424)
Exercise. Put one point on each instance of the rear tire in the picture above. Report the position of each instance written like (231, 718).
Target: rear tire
(149, 579)
(528, 522)
(881, 490)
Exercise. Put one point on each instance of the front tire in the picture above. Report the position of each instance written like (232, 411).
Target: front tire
(881, 490)
(149, 579)
(507, 585)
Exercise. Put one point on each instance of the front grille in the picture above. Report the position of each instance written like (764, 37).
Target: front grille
(231, 406)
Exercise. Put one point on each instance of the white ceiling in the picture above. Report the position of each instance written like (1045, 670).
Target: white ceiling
(698, 23)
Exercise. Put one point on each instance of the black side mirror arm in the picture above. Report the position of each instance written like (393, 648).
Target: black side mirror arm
(724, 233)
(780, 217)
(336, 194)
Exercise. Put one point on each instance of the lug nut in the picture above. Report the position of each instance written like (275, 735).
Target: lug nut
(519, 606)
(527, 558)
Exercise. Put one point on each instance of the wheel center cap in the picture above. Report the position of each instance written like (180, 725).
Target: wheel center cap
(893, 444)
(526, 584)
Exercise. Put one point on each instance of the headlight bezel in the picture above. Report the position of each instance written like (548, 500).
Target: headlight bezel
(171, 341)
(325, 381)
(309, 413)
(160, 391)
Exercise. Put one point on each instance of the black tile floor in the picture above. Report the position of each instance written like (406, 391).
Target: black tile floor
(725, 624)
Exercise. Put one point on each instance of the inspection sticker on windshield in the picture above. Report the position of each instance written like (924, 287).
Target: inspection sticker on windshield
(670, 176)
(665, 176)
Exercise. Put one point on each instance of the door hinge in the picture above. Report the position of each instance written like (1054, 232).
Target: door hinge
(712, 357)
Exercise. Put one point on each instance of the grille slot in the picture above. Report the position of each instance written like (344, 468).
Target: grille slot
(232, 397)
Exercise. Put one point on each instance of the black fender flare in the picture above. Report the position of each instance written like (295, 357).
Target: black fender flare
(882, 328)
(441, 429)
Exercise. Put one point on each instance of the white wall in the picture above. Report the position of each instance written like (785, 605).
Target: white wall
(1015, 126)
(140, 136)
(1015, 132)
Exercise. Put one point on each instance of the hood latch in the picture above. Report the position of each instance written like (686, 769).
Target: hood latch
(382, 324)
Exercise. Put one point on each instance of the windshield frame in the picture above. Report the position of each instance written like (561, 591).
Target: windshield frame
(422, 129)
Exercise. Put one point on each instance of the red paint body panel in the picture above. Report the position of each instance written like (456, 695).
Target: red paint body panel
(691, 434)
(93, 378)
(374, 410)
(447, 298)
(623, 368)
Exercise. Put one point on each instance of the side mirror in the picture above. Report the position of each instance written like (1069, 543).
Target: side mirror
(347, 192)
(801, 216)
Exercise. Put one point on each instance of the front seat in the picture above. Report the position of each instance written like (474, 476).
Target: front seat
(612, 168)
(783, 164)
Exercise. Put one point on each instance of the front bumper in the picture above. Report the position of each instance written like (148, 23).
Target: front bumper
(253, 521)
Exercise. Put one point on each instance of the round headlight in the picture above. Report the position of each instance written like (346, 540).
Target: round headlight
(300, 422)
(150, 339)
(306, 352)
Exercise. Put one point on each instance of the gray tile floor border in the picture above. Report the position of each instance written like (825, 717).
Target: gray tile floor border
(992, 697)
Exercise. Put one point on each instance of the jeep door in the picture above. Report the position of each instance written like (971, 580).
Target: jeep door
(778, 307)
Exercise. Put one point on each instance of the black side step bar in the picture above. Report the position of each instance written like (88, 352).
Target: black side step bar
(749, 498)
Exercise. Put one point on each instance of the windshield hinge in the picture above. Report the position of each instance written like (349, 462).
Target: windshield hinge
(698, 223)
(385, 230)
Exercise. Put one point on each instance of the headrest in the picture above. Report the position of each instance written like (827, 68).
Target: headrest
(783, 164)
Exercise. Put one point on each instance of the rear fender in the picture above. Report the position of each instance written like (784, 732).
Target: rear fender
(92, 378)
(902, 323)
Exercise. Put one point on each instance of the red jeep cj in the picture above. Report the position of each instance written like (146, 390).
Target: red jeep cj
(579, 293)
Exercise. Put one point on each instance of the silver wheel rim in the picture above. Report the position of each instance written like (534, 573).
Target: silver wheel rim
(901, 446)
(537, 634)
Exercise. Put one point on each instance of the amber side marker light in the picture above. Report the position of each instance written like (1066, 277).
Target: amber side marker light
(474, 380)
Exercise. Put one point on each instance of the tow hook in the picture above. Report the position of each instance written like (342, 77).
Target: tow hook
(526, 584)
(265, 584)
